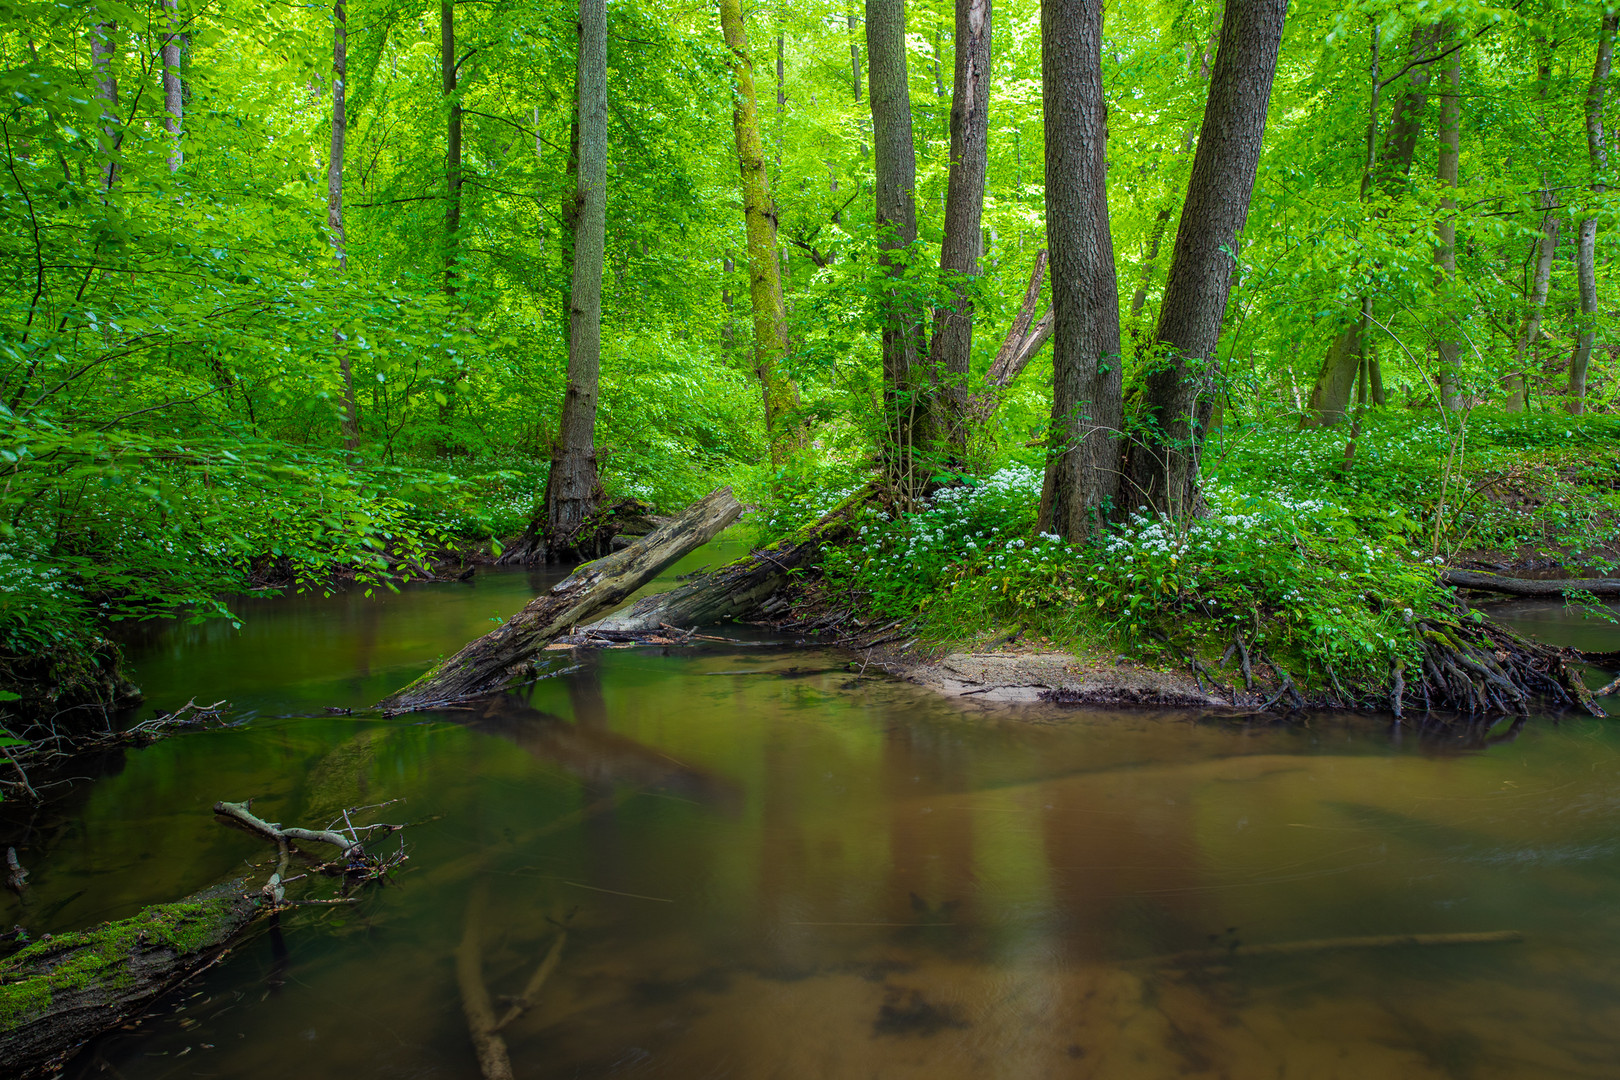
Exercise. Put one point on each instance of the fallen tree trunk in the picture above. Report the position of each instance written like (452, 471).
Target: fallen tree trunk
(741, 588)
(58, 992)
(487, 664)
(1510, 586)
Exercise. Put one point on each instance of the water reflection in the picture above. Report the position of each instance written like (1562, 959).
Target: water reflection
(767, 866)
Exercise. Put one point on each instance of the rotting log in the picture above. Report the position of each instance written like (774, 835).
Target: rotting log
(742, 588)
(62, 990)
(1511, 586)
(487, 664)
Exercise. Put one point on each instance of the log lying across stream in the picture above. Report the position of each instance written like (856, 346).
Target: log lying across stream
(744, 587)
(1511, 586)
(487, 664)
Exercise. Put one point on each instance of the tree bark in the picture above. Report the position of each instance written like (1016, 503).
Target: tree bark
(452, 143)
(908, 385)
(1388, 171)
(73, 986)
(740, 588)
(1469, 579)
(1518, 387)
(764, 260)
(573, 487)
(487, 664)
(952, 345)
(1449, 348)
(1017, 348)
(1162, 450)
(334, 212)
(173, 92)
(1586, 234)
(103, 51)
(1083, 443)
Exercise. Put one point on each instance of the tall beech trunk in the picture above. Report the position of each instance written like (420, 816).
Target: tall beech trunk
(1517, 383)
(1162, 447)
(952, 345)
(1161, 220)
(764, 262)
(452, 143)
(573, 487)
(1082, 456)
(1449, 347)
(103, 51)
(1335, 382)
(907, 383)
(173, 92)
(334, 212)
(1586, 234)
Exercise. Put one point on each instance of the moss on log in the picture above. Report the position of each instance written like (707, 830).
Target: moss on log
(67, 988)
(1511, 586)
(487, 664)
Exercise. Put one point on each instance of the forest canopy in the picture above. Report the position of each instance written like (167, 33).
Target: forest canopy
(294, 292)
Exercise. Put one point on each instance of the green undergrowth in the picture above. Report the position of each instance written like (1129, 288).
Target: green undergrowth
(1327, 566)
(31, 979)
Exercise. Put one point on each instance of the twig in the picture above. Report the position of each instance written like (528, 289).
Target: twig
(531, 992)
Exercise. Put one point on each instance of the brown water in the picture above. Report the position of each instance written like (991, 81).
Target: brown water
(769, 865)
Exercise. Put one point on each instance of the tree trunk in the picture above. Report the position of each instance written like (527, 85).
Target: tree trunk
(1510, 586)
(1388, 170)
(334, 212)
(764, 263)
(487, 664)
(573, 487)
(1586, 235)
(452, 143)
(103, 50)
(68, 988)
(907, 383)
(1162, 449)
(1449, 346)
(1517, 383)
(952, 344)
(1082, 456)
(173, 93)
(1017, 348)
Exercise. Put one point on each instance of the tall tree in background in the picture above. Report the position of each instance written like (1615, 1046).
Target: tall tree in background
(573, 487)
(334, 210)
(764, 263)
(952, 345)
(907, 383)
(1388, 172)
(1082, 456)
(1449, 347)
(1517, 382)
(173, 93)
(1586, 233)
(452, 142)
(103, 50)
(1168, 428)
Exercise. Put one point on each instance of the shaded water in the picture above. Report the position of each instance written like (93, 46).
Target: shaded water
(771, 865)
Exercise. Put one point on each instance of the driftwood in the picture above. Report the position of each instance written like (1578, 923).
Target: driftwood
(493, 1060)
(1511, 586)
(487, 664)
(67, 988)
(1220, 955)
(742, 588)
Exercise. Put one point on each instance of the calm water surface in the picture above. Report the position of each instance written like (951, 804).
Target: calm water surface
(770, 865)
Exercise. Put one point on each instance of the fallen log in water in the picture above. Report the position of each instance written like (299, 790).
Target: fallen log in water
(742, 588)
(1511, 586)
(487, 664)
(67, 988)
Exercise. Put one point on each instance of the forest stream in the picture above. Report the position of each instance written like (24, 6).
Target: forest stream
(761, 861)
